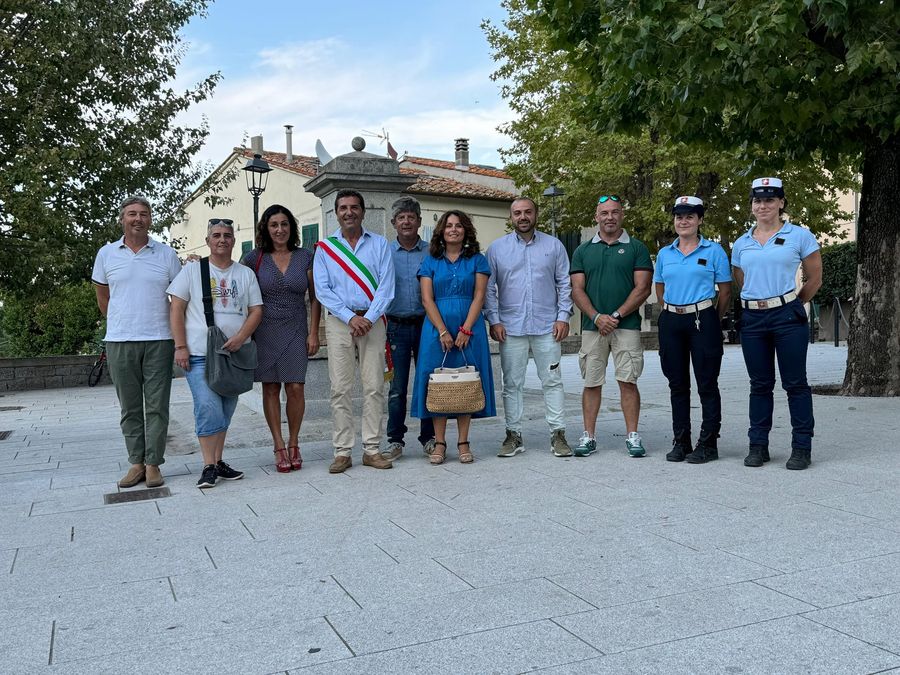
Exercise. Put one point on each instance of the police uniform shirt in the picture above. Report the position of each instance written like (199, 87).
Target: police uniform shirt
(770, 270)
(691, 278)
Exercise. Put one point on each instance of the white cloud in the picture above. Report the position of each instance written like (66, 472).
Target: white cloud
(329, 90)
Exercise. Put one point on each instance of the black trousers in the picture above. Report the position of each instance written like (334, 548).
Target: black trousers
(680, 345)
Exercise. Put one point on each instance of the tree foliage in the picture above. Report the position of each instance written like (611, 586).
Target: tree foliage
(555, 141)
(780, 81)
(88, 115)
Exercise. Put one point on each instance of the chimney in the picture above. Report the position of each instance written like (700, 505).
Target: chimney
(256, 144)
(462, 154)
(289, 153)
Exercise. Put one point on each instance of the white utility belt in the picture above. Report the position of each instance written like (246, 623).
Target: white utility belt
(770, 303)
(687, 309)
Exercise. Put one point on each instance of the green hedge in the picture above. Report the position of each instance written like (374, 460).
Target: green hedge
(838, 272)
(63, 323)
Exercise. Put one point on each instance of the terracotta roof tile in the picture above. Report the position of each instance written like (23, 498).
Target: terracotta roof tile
(438, 185)
(442, 164)
(307, 166)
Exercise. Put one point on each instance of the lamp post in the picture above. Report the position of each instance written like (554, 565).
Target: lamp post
(256, 173)
(553, 192)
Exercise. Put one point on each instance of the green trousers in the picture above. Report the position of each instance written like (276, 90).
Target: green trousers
(142, 375)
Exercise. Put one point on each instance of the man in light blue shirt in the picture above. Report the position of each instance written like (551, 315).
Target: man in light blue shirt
(354, 277)
(405, 317)
(528, 305)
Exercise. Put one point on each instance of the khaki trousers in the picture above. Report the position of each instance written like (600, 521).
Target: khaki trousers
(142, 375)
(344, 353)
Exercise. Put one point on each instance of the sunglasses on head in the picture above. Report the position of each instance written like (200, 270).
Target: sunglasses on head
(606, 198)
(223, 221)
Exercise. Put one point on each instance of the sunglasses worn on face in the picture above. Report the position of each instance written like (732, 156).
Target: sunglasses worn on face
(606, 198)
(223, 221)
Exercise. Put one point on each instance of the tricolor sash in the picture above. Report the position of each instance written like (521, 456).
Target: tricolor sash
(360, 274)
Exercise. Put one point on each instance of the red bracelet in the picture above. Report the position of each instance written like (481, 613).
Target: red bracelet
(464, 331)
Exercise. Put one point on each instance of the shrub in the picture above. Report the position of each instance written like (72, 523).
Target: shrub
(66, 322)
(838, 273)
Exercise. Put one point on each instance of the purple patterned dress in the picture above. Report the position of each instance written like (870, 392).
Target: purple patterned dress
(281, 336)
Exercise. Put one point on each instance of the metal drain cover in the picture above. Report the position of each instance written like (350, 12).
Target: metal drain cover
(7, 408)
(136, 495)
(4, 435)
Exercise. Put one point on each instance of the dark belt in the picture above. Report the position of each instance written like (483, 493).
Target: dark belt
(407, 320)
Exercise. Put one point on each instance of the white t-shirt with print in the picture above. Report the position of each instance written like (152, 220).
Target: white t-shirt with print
(234, 291)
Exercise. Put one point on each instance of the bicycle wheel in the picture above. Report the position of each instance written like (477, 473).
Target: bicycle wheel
(96, 372)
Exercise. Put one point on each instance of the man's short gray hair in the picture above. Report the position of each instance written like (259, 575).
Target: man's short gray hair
(406, 205)
(131, 200)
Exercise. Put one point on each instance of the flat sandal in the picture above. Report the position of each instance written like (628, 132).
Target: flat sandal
(438, 457)
(465, 457)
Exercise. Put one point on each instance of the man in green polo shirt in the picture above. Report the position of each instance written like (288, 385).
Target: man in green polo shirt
(611, 277)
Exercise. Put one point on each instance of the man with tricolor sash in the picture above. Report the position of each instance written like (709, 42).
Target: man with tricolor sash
(354, 277)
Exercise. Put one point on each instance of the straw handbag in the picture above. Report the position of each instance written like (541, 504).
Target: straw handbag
(455, 391)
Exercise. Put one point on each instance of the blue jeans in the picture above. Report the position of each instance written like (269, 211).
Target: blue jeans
(212, 413)
(547, 353)
(404, 340)
(782, 333)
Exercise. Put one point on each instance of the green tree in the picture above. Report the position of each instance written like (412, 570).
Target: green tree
(788, 81)
(88, 115)
(838, 272)
(552, 142)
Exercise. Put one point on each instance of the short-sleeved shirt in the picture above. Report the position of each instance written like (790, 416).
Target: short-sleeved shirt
(609, 275)
(691, 278)
(770, 270)
(138, 307)
(407, 300)
(234, 291)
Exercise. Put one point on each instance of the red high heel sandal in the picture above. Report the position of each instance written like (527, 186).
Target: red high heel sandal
(282, 463)
(296, 459)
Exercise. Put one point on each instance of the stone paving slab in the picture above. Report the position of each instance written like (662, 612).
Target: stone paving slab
(508, 565)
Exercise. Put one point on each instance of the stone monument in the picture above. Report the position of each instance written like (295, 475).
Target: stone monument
(377, 178)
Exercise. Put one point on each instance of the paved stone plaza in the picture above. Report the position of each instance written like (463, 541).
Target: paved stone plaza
(598, 565)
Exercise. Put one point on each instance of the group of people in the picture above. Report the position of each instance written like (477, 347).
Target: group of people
(389, 305)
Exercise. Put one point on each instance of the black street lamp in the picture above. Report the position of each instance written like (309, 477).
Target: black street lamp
(553, 192)
(257, 171)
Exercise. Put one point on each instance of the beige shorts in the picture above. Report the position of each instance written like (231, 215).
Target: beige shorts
(627, 353)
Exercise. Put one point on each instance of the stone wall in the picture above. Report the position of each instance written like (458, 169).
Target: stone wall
(47, 372)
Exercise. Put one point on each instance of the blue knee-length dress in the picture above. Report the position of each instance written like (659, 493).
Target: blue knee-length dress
(454, 288)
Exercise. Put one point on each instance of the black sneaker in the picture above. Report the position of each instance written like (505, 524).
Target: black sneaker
(208, 477)
(681, 448)
(758, 455)
(225, 472)
(800, 459)
(702, 454)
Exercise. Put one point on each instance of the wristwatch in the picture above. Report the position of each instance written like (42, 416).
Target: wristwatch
(616, 315)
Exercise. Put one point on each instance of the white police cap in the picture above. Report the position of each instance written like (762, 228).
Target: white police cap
(767, 187)
(688, 204)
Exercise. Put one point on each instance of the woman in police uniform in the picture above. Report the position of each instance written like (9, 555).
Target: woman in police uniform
(687, 274)
(774, 322)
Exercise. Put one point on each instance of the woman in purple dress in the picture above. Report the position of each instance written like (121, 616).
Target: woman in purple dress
(283, 340)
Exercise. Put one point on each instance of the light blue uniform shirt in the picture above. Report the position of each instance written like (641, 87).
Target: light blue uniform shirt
(691, 278)
(771, 270)
(407, 291)
(529, 287)
(340, 294)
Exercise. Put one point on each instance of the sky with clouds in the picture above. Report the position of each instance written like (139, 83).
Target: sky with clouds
(419, 70)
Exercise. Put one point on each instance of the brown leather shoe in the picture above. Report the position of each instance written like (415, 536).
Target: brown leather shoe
(134, 476)
(340, 464)
(376, 461)
(154, 477)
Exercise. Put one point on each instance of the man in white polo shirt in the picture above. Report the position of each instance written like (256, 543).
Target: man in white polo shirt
(130, 277)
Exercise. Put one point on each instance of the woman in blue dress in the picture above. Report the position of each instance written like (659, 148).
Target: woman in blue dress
(454, 281)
